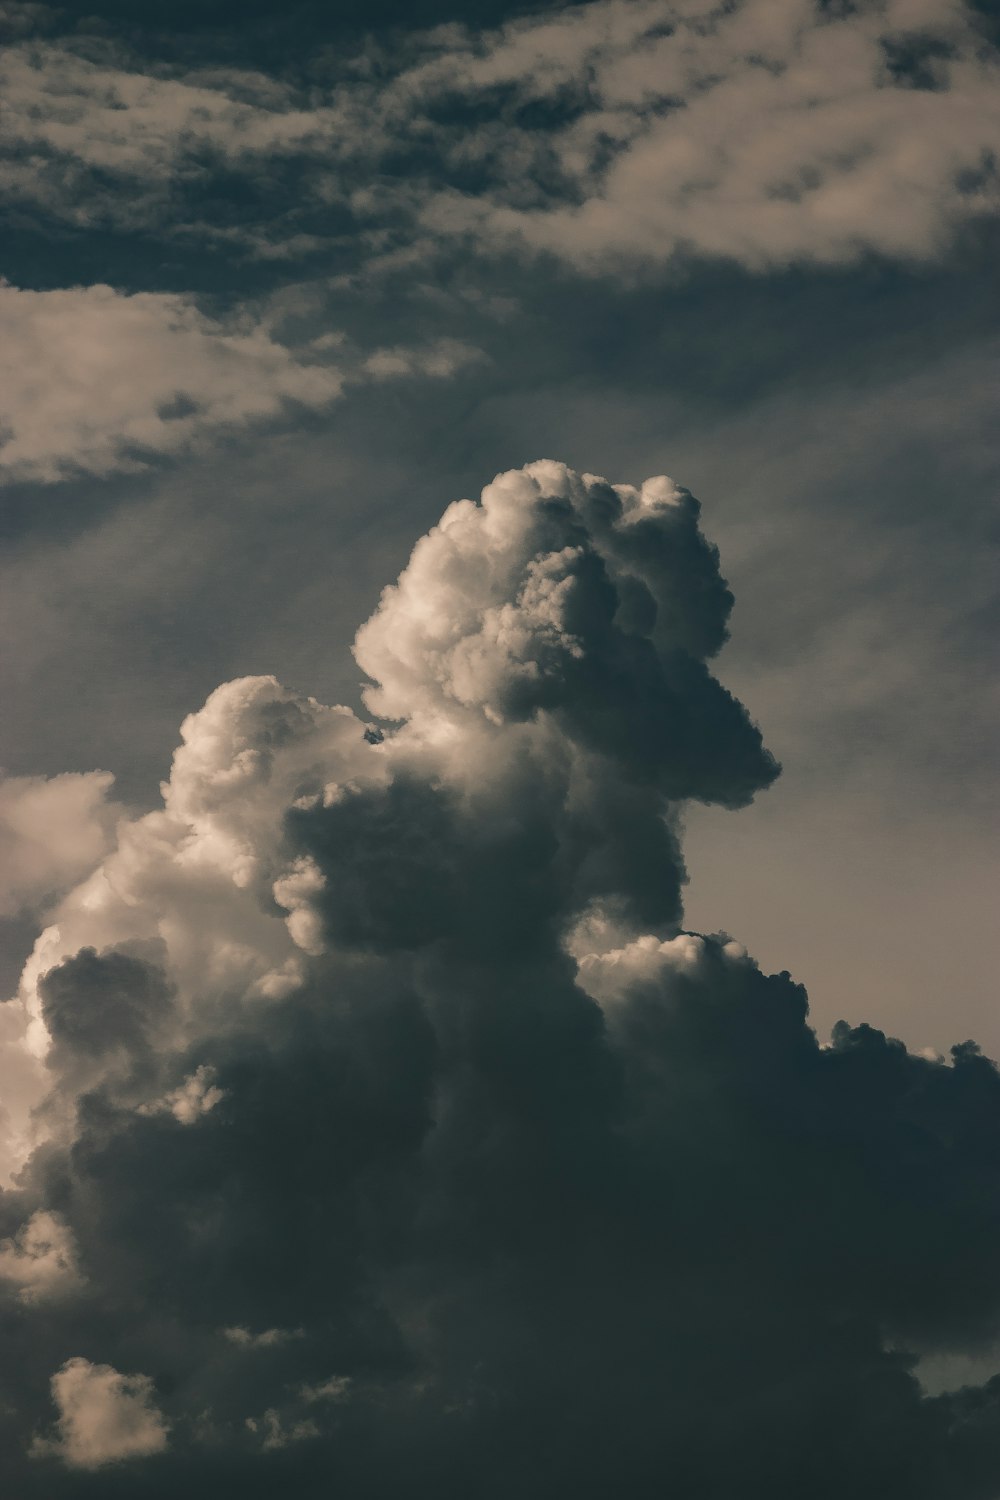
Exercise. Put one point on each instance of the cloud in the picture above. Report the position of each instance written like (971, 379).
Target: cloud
(186, 881)
(763, 134)
(572, 1200)
(442, 358)
(53, 831)
(41, 1259)
(277, 1436)
(83, 129)
(191, 1099)
(513, 625)
(614, 136)
(104, 1417)
(266, 1340)
(99, 380)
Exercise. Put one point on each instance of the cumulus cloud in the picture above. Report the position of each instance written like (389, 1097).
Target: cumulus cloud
(510, 1183)
(185, 882)
(104, 1417)
(53, 831)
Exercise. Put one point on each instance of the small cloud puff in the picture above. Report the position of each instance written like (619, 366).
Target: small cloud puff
(40, 1260)
(268, 1339)
(276, 1434)
(195, 1097)
(104, 1417)
(440, 359)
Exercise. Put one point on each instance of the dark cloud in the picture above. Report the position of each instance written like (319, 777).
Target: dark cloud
(509, 1184)
(104, 1011)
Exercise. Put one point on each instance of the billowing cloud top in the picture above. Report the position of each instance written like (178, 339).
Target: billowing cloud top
(390, 1132)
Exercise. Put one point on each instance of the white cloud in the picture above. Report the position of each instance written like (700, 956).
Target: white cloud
(104, 1417)
(294, 892)
(23, 1083)
(123, 120)
(486, 610)
(96, 379)
(189, 879)
(611, 974)
(41, 1258)
(53, 831)
(190, 875)
(195, 1097)
(761, 133)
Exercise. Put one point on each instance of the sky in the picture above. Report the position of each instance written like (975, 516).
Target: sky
(499, 600)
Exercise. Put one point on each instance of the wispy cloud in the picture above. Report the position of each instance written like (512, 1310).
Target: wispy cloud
(97, 381)
(610, 134)
(760, 133)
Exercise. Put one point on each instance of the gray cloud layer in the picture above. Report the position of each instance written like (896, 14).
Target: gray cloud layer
(607, 134)
(618, 139)
(398, 1135)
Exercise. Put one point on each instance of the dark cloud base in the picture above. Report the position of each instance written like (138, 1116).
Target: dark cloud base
(546, 1258)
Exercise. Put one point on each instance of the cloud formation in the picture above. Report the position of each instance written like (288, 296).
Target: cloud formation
(611, 135)
(53, 831)
(403, 1136)
(614, 139)
(98, 380)
(41, 1259)
(104, 1417)
(78, 127)
(758, 133)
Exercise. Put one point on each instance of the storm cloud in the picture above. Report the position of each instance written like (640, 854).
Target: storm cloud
(392, 1132)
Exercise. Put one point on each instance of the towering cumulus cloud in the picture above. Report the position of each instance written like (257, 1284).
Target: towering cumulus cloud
(390, 1134)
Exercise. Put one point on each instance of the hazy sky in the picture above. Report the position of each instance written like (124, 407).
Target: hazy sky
(282, 284)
